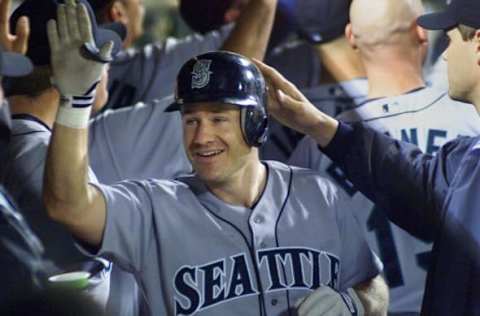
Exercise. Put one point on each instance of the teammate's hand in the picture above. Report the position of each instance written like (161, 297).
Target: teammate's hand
(13, 43)
(73, 73)
(328, 302)
(286, 103)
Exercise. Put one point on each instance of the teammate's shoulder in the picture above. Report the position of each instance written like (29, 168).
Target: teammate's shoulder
(416, 100)
(313, 177)
(153, 187)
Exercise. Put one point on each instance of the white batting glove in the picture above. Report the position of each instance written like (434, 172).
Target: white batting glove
(326, 301)
(74, 75)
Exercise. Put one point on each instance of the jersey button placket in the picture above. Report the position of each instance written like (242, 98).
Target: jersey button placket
(258, 220)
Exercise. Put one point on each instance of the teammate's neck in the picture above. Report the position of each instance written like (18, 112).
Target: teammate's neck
(341, 62)
(43, 107)
(393, 80)
(243, 188)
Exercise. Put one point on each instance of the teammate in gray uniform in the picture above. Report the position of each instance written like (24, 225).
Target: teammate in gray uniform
(251, 211)
(21, 169)
(433, 197)
(408, 111)
(120, 143)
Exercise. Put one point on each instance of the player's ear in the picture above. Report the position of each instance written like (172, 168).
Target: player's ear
(349, 35)
(117, 12)
(476, 40)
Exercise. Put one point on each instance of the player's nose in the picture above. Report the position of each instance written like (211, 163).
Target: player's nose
(203, 133)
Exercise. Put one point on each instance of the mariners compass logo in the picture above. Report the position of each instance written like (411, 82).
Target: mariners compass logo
(201, 74)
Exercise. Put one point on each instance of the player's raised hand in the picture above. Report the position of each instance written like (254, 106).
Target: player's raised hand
(13, 43)
(74, 71)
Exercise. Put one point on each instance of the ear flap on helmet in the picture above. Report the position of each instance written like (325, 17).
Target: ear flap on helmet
(254, 123)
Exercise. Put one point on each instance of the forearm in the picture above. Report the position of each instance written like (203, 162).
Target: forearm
(68, 197)
(252, 31)
(321, 127)
(66, 172)
(374, 296)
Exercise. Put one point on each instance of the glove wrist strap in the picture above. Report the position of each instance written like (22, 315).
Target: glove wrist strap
(353, 303)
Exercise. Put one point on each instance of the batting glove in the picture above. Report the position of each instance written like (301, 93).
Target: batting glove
(75, 73)
(326, 301)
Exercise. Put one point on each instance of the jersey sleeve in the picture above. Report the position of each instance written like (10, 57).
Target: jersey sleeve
(409, 185)
(139, 142)
(129, 225)
(359, 262)
(148, 73)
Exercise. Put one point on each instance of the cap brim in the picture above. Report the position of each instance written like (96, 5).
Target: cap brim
(105, 35)
(173, 107)
(437, 21)
(116, 27)
(15, 65)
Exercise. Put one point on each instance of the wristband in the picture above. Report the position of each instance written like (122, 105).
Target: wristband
(74, 112)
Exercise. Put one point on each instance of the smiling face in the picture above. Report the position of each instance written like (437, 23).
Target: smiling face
(214, 142)
(463, 68)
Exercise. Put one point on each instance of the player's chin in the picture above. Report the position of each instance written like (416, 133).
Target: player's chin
(210, 175)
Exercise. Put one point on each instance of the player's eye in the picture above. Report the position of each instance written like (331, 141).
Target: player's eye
(190, 121)
(219, 119)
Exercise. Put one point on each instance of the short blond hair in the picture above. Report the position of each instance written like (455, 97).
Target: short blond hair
(31, 85)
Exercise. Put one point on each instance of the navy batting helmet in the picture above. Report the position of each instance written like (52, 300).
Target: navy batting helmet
(227, 78)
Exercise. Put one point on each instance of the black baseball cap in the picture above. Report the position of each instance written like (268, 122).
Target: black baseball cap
(466, 12)
(39, 12)
(14, 65)
(204, 16)
(319, 21)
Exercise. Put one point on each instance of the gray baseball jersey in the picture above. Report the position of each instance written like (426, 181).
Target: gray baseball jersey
(148, 73)
(428, 118)
(138, 142)
(21, 172)
(331, 99)
(195, 254)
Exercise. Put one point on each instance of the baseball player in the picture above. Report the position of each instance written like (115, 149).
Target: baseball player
(249, 210)
(21, 169)
(24, 268)
(433, 197)
(120, 144)
(408, 111)
(148, 73)
(14, 233)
